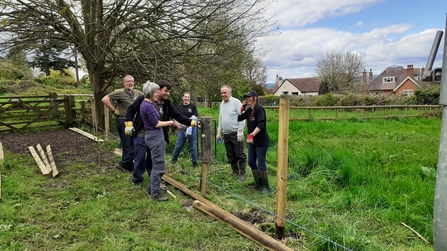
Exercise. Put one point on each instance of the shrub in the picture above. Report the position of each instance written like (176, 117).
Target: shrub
(326, 100)
(11, 73)
(427, 96)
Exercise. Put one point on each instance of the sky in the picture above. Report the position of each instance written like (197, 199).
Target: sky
(384, 32)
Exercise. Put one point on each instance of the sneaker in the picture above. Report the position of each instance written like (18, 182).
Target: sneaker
(195, 164)
(137, 186)
(121, 168)
(159, 197)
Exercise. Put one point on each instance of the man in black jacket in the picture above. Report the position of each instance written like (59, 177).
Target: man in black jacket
(142, 157)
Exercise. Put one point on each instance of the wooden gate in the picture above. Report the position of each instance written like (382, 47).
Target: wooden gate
(33, 112)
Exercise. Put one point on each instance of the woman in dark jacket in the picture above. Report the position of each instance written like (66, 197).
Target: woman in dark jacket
(258, 139)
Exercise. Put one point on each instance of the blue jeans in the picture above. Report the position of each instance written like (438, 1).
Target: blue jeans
(142, 160)
(155, 141)
(126, 143)
(257, 153)
(181, 140)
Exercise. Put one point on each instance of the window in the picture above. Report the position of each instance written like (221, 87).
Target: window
(285, 93)
(389, 79)
(408, 92)
(295, 93)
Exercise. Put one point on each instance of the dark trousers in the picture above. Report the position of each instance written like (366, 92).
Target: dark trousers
(155, 141)
(257, 153)
(142, 160)
(234, 148)
(126, 143)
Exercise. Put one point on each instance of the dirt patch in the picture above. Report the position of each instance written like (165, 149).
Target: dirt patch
(68, 147)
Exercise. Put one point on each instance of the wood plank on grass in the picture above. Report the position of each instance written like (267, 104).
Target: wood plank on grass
(86, 134)
(2, 157)
(51, 159)
(43, 157)
(39, 162)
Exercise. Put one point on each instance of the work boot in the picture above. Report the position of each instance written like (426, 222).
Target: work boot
(264, 182)
(235, 168)
(257, 177)
(159, 197)
(241, 176)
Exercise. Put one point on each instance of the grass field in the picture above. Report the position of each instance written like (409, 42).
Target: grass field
(351, 185)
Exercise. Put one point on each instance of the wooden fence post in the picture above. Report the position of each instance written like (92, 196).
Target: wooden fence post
(69, 103)
(283, 143)
(106, 122)
(207, 152)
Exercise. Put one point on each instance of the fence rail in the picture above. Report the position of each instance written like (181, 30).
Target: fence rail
(359, 112)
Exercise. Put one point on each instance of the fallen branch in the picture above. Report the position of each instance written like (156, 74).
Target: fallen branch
(414, 231)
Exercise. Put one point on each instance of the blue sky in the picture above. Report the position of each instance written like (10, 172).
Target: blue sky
(383, 32)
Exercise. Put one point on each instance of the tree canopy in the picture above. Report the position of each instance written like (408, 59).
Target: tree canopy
(340, 73)
(144, 38)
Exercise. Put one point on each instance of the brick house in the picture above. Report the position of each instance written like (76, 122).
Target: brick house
(395, 80)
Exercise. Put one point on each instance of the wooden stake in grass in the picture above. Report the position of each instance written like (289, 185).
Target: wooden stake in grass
(43, 156)
(1, 154)
(0, 186)
(86, 134)
(39, 162)
(51, 159)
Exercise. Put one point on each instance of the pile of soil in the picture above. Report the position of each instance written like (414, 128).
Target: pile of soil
(68, 147)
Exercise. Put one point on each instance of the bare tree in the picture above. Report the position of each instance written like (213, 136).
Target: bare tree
(341, 73)
(145, 38)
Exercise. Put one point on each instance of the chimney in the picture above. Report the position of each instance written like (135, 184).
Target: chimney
(422, 72)
(364, 78)
(410, 70)
(370, 75)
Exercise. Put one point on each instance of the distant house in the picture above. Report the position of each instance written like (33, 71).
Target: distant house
(296, 86)
(396, 80)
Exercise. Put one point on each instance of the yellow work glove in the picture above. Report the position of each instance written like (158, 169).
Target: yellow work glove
(129, 128)
(193, 121)
(116, 112)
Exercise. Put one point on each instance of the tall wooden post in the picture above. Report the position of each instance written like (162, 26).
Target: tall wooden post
(283, 138)
(440, 205)
(207, 153)
(106, 122)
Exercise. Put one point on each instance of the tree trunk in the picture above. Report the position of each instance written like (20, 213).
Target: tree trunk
(97, 84)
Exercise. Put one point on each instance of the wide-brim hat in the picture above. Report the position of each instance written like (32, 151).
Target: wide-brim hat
(251, 94)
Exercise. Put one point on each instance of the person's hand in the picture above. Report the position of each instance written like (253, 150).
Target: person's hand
(116, 112)
(193, 121)
(188, 131)
(244, 105)
(129, 130)
(240, 135)
(250, 138)
(177, 125)
(219, 136)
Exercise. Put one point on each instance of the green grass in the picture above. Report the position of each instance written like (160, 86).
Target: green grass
(352, 182)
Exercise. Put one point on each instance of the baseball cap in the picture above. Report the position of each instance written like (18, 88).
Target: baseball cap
(251, 94)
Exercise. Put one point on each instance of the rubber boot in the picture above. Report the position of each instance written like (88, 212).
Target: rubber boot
(257, 178)
(235, 168)
(242, 166)
(264, 182)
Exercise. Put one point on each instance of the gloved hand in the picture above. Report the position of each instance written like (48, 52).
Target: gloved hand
(243, 106)
(188, 131)
(116, 112)
(240, 135)
(193, 121)
(250, 138)
(129, 130)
